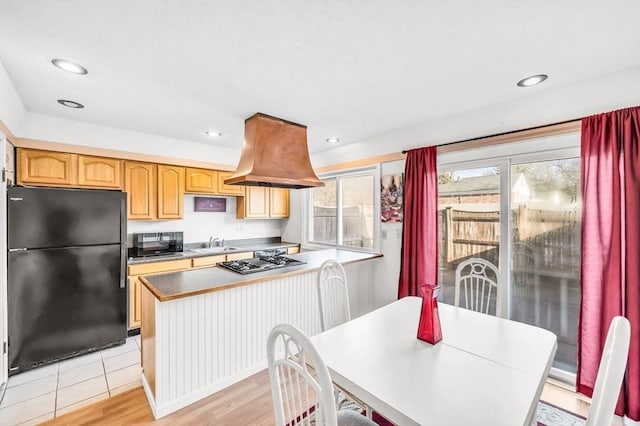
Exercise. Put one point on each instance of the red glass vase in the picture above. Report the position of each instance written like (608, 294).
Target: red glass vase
(429, 328)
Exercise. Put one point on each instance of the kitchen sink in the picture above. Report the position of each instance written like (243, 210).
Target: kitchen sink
(214, 250)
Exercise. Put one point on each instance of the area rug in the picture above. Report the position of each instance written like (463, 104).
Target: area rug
(551, 415)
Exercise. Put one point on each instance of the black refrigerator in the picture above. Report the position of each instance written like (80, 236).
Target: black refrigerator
(66, 286)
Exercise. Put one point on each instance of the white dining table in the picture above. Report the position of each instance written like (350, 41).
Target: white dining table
(485, 371)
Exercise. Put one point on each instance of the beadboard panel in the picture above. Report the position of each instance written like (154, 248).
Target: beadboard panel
(207, 342)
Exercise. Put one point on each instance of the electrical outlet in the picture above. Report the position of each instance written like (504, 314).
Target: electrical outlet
(384, 234)
(238, 228)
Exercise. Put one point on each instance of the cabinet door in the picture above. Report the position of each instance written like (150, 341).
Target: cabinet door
(201, 181)
(170, 192)
(44, 167)
(255, 204)
(140, 185)
(135, 302)
(228, 189)
(99, 172)
(279, 202)
(240, 256)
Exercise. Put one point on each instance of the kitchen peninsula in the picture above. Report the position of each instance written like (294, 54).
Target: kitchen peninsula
(203, 330)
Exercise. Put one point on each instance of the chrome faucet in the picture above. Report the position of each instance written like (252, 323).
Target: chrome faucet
(216, 242)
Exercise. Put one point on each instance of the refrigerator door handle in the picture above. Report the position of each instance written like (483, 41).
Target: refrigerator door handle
(123, 243)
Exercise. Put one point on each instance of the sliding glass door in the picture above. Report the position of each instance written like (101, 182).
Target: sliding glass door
(521, 214)
(469, 223)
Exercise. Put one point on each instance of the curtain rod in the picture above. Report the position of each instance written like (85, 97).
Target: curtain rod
(502, 134)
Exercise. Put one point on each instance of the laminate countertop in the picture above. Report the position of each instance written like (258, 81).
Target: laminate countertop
(176, 285)
(188, 253)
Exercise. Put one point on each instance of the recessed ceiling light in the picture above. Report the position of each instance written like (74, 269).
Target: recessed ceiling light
(70, 104)
(532, 80)
(333, 140)
(63, 64)
(213, 134)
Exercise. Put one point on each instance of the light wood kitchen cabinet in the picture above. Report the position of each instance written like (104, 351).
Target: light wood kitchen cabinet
(135, 286)
(100, 172)
(255, 204)
(278, 202)
(201, 181)
(38, 167)
(170, 192)
(240, 256)
(223, 189)
(208, 261)
(141, 187)
(293, 250)
(263, 203)
(135, 302)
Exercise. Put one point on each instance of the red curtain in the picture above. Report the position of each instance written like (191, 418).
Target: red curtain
(610, 278)
(419, 257)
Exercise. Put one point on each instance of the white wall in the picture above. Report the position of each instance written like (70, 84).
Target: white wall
(292, 228)
(199, 226)
(387, 270)
(44, 127)
(11, 107)
(618, 90)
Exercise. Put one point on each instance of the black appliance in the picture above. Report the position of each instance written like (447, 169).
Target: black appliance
(260, 264)
(157, 244)
(66, 273)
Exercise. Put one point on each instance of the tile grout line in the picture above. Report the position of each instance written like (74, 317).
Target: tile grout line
(55, 400)
(104, 369)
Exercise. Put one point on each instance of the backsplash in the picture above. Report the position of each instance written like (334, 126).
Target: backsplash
(199, 226)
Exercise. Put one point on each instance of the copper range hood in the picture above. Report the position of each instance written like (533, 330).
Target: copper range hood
(275, 154)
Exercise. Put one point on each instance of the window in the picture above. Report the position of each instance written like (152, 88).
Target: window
(343, 212)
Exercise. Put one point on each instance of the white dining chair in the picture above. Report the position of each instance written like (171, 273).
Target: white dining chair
(301, 386)
(333, 295)
(610, 373)
(479, 278)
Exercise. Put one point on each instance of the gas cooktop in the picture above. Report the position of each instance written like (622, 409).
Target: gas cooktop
(260, 264)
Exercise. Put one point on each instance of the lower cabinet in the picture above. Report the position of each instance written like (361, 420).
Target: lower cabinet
(135, 286)
(135, 271)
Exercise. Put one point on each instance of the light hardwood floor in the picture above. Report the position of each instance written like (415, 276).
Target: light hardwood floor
(245, 403)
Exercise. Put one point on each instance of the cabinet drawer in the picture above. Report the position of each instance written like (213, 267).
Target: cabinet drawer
(240, 256)
(200, 262)
(156, 267)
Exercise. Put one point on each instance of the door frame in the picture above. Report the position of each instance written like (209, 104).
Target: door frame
(3, 263)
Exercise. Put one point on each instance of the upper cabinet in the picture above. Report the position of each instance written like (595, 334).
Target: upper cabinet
(99, 172)
(224, 189)
(154, 191)
(45, 168)
(278, 202)
(140, 185)
(170, 192)
(263, 203)
(201, 181)
(48, 168)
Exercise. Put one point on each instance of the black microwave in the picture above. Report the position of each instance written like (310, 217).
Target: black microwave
(157, 243)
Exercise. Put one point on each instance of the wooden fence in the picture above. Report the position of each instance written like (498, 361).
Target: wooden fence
(354, 224)
(466, 234)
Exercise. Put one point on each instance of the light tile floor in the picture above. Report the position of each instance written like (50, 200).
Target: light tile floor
(41, 394)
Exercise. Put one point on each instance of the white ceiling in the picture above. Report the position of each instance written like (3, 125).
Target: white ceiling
(352, 69)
